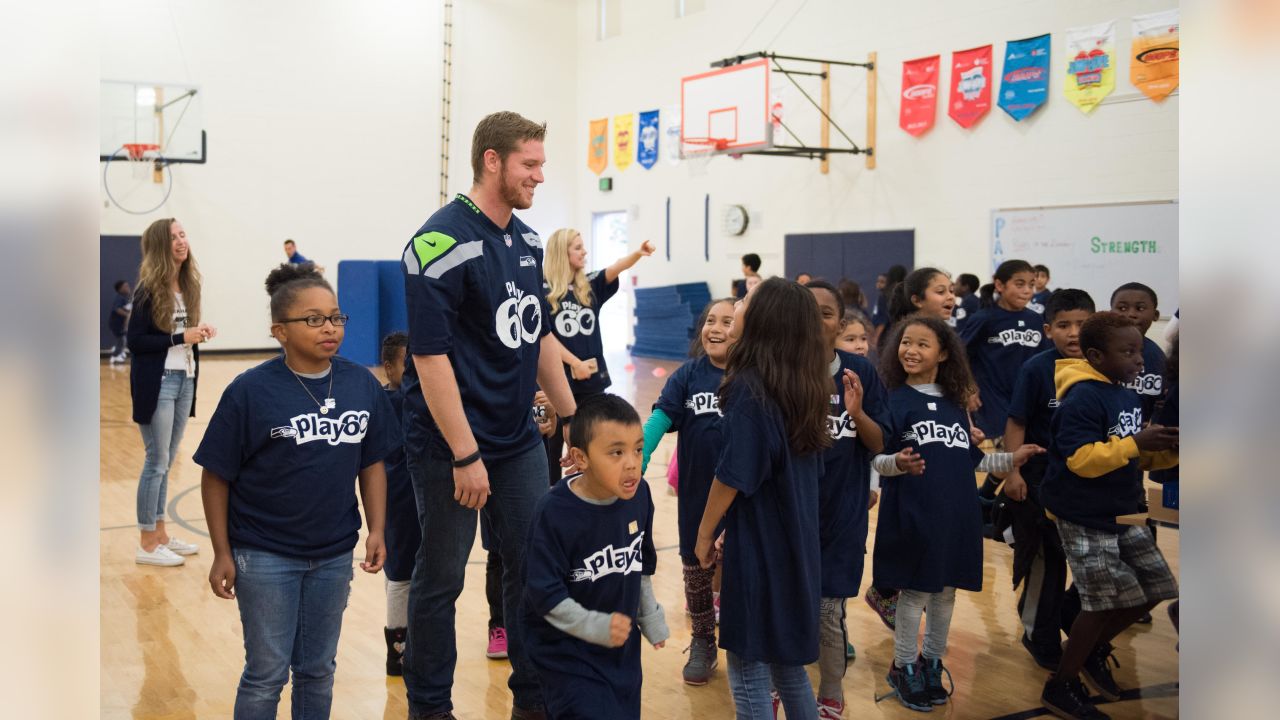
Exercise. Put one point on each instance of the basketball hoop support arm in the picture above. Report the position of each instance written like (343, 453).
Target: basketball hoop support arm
(824, 148)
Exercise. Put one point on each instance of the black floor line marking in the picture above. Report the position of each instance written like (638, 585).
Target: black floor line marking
(1164, 690)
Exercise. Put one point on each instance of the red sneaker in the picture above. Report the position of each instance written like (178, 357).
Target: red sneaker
(497, 643)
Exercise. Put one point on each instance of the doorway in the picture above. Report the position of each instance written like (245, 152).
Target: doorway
(608, 244)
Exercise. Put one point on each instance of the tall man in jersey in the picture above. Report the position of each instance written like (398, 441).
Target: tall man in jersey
(479, 343)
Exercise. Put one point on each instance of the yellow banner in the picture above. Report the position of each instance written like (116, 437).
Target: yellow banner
(1153, 63)
(1091, 65)
(598, 145)
(624, 146)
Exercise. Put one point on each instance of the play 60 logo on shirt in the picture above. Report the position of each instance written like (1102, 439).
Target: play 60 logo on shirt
(608, 561)
(928, 431)
(574, 319)
(840, 426)
(350, 427)
(519, 318)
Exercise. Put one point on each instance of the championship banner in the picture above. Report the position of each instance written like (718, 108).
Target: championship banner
(624, 149)
(1153, 64)
(1091, 66)
(919, 95)
(1024, 86)
(598, 146)
(647, 150)
(970, 85)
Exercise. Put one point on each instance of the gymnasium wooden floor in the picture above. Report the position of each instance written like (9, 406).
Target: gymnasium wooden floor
(170, 649)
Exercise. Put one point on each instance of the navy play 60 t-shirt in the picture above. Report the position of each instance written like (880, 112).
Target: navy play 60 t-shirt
(575, 326)
(474, 293)
(291, 468)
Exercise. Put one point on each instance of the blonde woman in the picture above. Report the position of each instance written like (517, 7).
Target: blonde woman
(575, 297)
(163, 335)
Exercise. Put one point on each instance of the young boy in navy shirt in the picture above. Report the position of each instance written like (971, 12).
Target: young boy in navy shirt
(1045, 607)
(1096, 458)
(1138, 303)
(589, 568)
(121, 306)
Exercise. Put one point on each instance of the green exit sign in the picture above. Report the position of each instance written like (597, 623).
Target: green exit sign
(606, 184)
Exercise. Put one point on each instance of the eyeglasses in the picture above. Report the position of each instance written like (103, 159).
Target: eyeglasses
(315, 321)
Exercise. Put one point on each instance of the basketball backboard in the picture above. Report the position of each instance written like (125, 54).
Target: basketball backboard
(142, 113)
(726, 110)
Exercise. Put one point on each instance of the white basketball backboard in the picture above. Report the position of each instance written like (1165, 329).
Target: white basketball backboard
(726, 110)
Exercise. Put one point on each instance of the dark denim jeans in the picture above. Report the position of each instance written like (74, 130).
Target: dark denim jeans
(448, 532)
(749, 683)
(291, 610)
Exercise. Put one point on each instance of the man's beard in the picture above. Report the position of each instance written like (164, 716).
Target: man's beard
(511, 194)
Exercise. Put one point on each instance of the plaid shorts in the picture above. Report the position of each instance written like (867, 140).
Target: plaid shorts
(1116, 570)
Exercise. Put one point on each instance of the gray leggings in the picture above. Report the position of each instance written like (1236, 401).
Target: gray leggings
(913, 603)
(831, 655)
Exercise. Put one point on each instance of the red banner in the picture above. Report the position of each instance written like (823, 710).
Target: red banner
(919, 95)
(971, 80)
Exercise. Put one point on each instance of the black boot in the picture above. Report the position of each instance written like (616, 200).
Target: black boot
(395, 649)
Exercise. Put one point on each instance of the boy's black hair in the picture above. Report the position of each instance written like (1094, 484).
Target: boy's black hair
(1098, 329)
(970, 281)
(824, 285)
(895, 274)
(117, 285)
(1042, 269)
(1009, 268)
(1136, 286)
(752, 261)
(595, 410)
(1066, 300)
(392, 342)
(987, 295)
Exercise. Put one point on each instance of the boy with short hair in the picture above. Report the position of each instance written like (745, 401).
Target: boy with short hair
(1045, 607)
(750, 269)
(589, 567)
(1042, 287)
(118, 320)
(402, 534)
(1096, 458)
(1138, 303)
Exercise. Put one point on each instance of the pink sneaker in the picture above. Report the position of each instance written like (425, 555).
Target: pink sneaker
(777, 702)
(715, 600)
(497, 644)
(829, 709)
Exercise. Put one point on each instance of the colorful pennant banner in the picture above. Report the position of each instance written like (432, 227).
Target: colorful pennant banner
(624, 150)
(970, 85)
(1091, 73)
(598, 145)
(1024, 86)
(1153, 64)
(647, 149)
(919, 94)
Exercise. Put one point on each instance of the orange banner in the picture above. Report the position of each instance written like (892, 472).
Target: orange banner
(1153, 63)
(598, 145)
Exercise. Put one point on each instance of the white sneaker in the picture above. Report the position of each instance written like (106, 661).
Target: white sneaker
(161, 556)
(182, 548)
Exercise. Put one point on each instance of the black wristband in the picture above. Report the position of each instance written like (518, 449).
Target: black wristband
(463, 462)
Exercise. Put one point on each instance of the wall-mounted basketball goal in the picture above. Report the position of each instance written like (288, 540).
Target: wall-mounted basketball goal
(734, 109)
(144, 129)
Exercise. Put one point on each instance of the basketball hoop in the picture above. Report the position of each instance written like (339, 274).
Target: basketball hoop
(139, 151)
(136, 192)
(705, 148)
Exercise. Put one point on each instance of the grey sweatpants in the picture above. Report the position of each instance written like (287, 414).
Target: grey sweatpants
(832, 636)
(911, 604)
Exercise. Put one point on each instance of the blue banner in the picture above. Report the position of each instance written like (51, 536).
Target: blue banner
(1025, 83)
(647, 148)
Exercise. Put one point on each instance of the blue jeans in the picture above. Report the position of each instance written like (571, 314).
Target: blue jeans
(749, 681)
(291, 610)
(161, 437)
(448, 532)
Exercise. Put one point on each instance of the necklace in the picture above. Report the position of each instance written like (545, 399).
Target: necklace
(328, 403)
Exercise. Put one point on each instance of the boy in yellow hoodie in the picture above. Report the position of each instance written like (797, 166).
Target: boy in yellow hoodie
(1096, 459)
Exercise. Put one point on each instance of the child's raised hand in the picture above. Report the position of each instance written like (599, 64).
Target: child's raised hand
(976, 434)
(619, 629)
(222, 577)
(852, 393)
(646, 248)
(1025, 453)
(908, 460)
(1154, 438)
(375, 553)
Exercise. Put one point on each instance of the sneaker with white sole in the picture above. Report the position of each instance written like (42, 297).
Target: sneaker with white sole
(180, 547)
(161, 556)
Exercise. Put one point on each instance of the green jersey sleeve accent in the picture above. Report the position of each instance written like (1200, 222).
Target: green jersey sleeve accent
(429, 246)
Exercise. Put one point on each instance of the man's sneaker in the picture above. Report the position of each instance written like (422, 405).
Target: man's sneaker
(161, 556)
(1046, 656)
(829, 709)
(180, 547)
(908, 684)
(933, 670)
(395, 638)
(1070, 701)
(885, 607)
(703, 658)
(1097, 672)
(497, 649)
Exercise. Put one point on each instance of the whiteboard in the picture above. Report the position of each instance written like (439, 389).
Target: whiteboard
(1096, 248)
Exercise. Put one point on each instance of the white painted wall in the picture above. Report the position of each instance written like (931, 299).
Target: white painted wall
(324, 124)
(943, 184)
